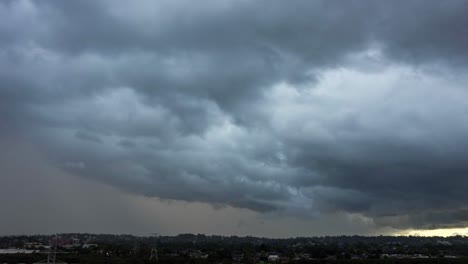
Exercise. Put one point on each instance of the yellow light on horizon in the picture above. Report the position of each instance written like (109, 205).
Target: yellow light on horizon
(443, 232)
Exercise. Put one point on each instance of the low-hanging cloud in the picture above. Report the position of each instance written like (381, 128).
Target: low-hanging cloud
(303, 108)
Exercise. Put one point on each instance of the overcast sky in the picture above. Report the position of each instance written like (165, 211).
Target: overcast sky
(270, 118)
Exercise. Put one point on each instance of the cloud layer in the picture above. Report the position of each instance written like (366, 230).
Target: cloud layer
(311, 108)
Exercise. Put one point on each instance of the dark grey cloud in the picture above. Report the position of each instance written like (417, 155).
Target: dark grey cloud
(87, 136)
(301, 108)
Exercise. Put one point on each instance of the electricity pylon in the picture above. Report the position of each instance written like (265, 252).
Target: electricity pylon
(154, 250)
(52, 253)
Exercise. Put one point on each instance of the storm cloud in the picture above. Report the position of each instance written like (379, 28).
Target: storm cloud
(303, 108)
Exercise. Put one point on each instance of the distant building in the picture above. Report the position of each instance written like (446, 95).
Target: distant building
(237, 257)
(444, 243)
(16, 251)
(89, 245)
(273, 258)
(75, 241)
(31, 245)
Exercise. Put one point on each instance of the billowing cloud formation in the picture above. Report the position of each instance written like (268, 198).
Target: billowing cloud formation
(302, 108)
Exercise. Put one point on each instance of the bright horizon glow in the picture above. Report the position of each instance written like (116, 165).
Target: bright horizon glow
(443, 232)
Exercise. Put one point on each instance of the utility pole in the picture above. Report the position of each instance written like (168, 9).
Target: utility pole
(154, 254)
(51, 256)
(52, 253)
(154, 250)
(136, 247)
